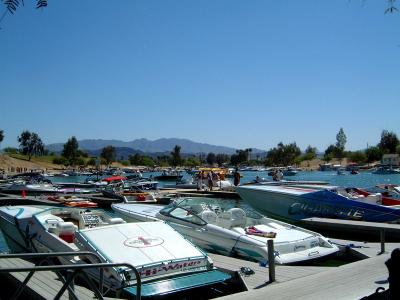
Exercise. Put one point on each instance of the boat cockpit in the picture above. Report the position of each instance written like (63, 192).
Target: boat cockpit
(65, 222)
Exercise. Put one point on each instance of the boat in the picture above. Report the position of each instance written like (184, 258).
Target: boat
(167, 263)
(169, 175)
(217, 227)
(289, 171)
(341, 171)
(386, 171)
(296, 202)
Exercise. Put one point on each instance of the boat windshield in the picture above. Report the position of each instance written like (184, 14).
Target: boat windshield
(184, 214)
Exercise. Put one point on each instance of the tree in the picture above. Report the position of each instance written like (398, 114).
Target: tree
(357, 156)
(211, 158)
(12, 5)
(30, 144)
(176, 159)
(373, 154)
(192, 161)
(283, 155)
(108, 154)
(389, 142)
(221, 159)
(1, 136)
(71, 151)
(240, 157)
(341, 140)
(310, 153)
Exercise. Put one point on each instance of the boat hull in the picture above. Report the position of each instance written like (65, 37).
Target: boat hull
(322, 203)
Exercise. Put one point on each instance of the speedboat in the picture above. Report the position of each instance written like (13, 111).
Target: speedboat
(297, 202)
(167, 262)
(215, 226)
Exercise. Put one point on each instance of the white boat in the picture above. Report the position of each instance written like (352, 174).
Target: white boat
(232, 231)
(167, 262)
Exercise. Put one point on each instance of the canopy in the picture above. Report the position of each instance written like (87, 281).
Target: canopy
(114, 178)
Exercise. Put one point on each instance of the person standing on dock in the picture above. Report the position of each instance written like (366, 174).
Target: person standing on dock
(210, 180)
(200, 181)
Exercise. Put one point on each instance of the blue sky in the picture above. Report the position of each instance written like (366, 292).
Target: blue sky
(234, 73)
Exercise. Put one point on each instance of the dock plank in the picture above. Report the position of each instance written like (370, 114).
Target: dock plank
(261, 274)
(45, 283)
(351, 281)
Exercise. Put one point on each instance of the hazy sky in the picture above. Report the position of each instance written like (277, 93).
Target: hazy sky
(234, 73)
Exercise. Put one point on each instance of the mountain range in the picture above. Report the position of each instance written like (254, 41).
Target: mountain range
(147, 146)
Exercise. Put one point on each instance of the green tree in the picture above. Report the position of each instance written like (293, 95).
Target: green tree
(176, 159)
(373, 154)
(30, 144)
(71, 151)
(221, 159)
(1, 136)
(310, 153)
(357, 156)
(211, 158)
(192, 161)
(341, 140)
(283, 155)
(389, 142)
(108, 154)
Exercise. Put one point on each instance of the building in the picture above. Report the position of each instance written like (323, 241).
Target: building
(390, 160)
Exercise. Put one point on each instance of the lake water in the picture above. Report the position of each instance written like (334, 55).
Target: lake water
(364, 179)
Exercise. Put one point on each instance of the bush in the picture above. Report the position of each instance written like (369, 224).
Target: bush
(60, 161)
(11, 150)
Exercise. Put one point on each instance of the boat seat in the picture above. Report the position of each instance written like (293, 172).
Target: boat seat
(66, 231)
(196, 208)
(113, 221)
(224, 219)
(209, 216)
(238, 217)
(373, 198)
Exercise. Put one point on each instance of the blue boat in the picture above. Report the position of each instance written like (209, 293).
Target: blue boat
(297, 202)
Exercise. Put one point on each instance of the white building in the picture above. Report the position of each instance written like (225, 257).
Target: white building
(390, 160)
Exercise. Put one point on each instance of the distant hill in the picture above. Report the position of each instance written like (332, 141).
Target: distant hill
(147, 146)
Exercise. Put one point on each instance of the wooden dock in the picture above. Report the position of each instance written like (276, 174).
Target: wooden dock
(43, 285)
(351, 281)
(260, 277)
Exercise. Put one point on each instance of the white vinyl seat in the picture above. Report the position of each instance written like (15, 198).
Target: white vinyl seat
(113, 221)
(196, 208)
(238, 217)
(209, 216)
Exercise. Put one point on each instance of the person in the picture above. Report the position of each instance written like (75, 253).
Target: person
(275, 175)
(200, 180)
(236, 178)
(393, 264)
(258, 179)
(279, 175)
(210, 180)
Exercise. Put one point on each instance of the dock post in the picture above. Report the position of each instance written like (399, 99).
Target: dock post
(271, 260)
(382, 231)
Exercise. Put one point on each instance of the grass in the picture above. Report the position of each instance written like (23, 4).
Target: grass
(43, 159)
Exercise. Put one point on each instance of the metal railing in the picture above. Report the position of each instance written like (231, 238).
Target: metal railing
(72, 271)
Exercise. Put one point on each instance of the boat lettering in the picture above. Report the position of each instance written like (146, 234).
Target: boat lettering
(325, 211)
(143, 242)
(171, 267)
